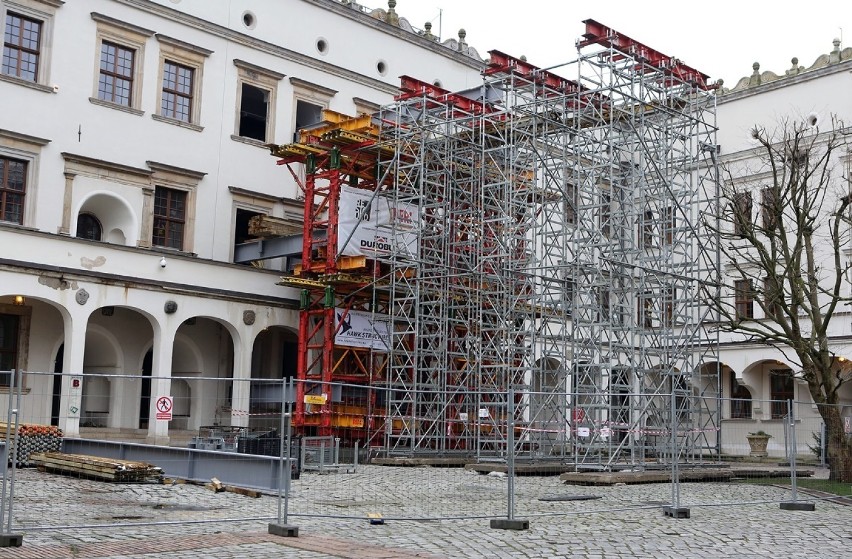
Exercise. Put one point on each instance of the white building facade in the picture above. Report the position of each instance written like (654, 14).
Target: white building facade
(762, 378)
(132, 154)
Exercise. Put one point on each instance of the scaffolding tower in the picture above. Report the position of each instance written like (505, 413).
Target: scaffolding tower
(560, 258)
(542, 268)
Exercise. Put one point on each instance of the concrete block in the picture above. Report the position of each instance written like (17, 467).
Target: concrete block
(676, 512)
(284, 530)
(506, 524)
(11, 540)
(798, 505)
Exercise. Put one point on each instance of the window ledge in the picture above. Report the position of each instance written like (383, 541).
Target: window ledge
(175, 122)
(250, 141)
(27, 83)
(102, 103)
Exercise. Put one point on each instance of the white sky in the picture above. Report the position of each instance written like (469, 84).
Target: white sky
(721, 38)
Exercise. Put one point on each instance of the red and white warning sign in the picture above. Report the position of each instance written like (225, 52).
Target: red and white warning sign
(164, 408)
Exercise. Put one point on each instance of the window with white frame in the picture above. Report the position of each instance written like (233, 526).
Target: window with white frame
(27, 41)
(257, 90)
(181, 73)
(119, 63)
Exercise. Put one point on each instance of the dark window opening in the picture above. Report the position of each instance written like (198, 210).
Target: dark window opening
(647, 229)
(176, 101)
(9, 326)
(780, 391)
(254, 112)
(169, 218)
(669, 225)
(605, 213)
(770, 208)
(241, 227)
(744, 299)
(88, 227)
(740, 400)
(115, 83)
(21, 47)
(13, 187)
(742, 213)
(306, 114)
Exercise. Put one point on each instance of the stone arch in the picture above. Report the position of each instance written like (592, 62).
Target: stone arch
(119, 222)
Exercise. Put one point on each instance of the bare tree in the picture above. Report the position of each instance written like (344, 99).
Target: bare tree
(783, 234)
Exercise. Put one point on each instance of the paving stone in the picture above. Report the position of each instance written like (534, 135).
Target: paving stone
(146, 521)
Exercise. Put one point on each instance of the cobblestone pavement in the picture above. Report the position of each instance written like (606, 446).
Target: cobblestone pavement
(148, 521)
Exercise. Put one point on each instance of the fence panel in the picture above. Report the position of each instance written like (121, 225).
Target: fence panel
(200, 435)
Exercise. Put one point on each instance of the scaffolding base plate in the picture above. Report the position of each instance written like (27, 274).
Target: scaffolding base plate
(797, 505)
(676, 512)
(506, 524)
(284, 530)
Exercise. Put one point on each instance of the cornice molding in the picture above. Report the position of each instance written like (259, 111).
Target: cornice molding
(166, 168)
(26, 138)
(183, 45)
(258, 44)
(248, 66)
(101, 18)
(102, 164)
(304, 84)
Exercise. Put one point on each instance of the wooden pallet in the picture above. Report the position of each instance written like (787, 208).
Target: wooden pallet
(107, 469)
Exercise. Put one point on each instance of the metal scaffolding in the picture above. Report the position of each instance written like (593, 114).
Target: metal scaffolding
(560, 254)
(544, 239)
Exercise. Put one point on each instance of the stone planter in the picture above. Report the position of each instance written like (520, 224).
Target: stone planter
(757, 444)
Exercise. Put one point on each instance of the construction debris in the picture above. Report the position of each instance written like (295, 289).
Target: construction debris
(266, 226)
(31, 438)
(215, 485)
(95, 467)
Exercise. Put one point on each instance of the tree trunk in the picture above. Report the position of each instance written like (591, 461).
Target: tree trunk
(838, 445)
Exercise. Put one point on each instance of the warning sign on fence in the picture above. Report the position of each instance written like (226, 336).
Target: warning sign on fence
(164, 408)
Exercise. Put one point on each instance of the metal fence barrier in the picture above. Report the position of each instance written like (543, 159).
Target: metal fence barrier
(231, 434)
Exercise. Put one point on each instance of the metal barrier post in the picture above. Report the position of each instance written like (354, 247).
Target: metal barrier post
(281, 528)
(794, 504)
(7, 538)
(510, 522)
(675, 510)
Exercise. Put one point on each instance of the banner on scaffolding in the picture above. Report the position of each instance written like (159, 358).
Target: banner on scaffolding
(361, 329)
(374, 226)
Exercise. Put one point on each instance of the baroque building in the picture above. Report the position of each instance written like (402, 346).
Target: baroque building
(133, 152)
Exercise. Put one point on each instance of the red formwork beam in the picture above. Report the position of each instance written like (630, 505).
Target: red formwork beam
(411, 88)
(502, 63)
(599, 34)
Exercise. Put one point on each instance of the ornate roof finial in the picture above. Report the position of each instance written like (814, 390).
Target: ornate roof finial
(462, 35)
(834, 55)
(755, 75)
(392, 17)
(796, 68)
(428, 31)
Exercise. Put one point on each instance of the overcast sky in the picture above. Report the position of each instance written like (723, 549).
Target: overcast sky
(720, 38)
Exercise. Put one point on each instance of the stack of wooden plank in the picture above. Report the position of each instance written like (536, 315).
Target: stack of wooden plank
(108, 469)
(30, 438)
(267, 226)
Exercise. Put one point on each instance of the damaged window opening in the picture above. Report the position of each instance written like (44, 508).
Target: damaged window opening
(306, 114)
(254, 111)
